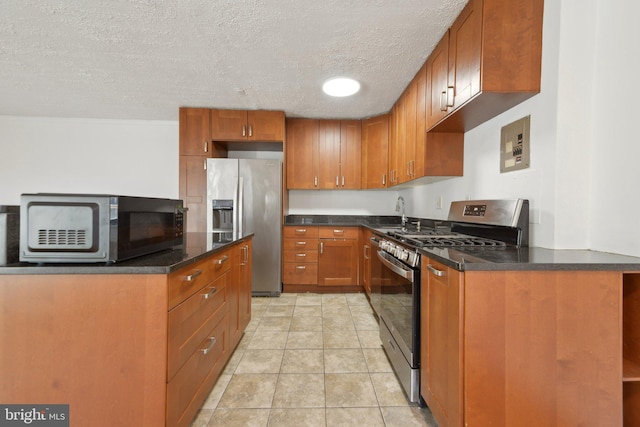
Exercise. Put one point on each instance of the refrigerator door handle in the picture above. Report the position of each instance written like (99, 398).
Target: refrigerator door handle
(240, 217)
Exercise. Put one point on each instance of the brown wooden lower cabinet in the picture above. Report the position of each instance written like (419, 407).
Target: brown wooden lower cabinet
(320, 259)
(123, 349)
(530, 348)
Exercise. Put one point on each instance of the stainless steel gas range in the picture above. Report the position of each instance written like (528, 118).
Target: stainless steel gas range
(477, 224)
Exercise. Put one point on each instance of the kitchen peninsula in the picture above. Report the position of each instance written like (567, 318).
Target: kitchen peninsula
(134, 343)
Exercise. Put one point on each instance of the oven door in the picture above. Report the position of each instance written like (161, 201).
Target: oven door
(399, 303)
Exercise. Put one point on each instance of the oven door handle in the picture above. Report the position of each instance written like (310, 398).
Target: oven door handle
(407, 274)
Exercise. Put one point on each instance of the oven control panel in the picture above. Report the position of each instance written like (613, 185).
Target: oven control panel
(406, 255)
(474, 210)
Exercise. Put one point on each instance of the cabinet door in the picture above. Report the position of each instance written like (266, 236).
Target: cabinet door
(409, 141)
(366, 260)
(193, 190)
(375, 151)
(329, 154)
(350, 154)
(437, 68)
(465, 53)
(338, 262)
(441, 339)
(394, 141)
(420, 153)
(401, 135)
(244, 286)
(266, 126)
(195, 132)
(301, 154)
(229, 125)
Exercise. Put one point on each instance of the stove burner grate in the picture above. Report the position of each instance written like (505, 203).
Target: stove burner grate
(456, 241)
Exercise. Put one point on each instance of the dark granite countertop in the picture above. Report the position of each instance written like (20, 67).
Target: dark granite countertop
(485, 259)
(371, 221)
(198, 246)
(342, 220)
(531, 258)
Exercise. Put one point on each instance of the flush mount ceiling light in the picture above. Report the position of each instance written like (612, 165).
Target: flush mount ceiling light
(341, 86)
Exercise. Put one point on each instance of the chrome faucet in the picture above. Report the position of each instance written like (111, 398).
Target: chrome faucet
(404, 218)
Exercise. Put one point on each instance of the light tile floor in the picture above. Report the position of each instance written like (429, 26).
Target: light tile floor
(310, 360)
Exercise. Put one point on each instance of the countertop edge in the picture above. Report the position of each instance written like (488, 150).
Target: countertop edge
(133, 266)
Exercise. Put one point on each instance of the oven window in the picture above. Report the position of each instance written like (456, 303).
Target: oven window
(396, 303)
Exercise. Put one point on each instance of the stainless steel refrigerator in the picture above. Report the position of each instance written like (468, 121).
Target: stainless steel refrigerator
(245, 196)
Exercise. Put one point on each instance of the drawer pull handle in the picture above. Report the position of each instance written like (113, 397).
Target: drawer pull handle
(435, 271)
(192, 276)
(221, 260)
(301, 254)
(338, 231)
(209, 294)
(301, 243)
(212, 342)
(301, 230)
(301, 267)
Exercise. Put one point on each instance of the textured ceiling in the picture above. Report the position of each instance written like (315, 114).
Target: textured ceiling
(143, 59)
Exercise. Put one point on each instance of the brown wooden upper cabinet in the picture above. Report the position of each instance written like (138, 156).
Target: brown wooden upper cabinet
(252, 125)
(323, 154)
(488, 61)
(375, 152)
(302, 153)
(195, 132)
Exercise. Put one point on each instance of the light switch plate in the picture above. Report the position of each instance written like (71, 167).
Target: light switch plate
(514, 145)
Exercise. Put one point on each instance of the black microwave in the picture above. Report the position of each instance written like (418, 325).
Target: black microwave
(89, 228)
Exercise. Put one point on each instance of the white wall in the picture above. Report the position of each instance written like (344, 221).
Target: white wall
(615, 168)
(128, 157)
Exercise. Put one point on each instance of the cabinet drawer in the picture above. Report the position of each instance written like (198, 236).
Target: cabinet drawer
(300, 244)
(191, 321)
(300, 273)
(301, 231)
(186, 391)
(338, 233)
(300, 256)
(187, 281)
